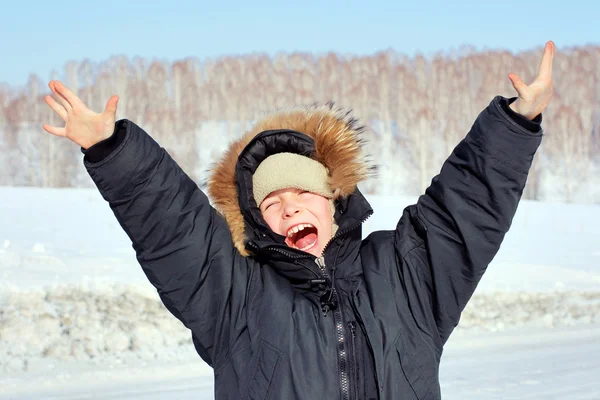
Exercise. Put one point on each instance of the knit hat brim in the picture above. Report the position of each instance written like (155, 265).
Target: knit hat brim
(290, 170)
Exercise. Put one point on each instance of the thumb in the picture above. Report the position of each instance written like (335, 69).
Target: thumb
(517, 83)
(111, 105)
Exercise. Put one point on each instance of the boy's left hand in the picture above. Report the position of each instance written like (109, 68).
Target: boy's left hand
(534, 98)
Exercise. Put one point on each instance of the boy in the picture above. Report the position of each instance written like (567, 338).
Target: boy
(283, 297)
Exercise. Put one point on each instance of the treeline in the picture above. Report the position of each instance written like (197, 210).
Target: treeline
(417, 108)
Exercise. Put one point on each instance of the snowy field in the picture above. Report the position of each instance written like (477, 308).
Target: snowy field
(78, 319)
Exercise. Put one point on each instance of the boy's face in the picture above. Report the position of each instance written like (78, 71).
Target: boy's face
(303, 217)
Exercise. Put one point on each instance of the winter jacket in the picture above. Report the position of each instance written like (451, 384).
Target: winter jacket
(368, 319)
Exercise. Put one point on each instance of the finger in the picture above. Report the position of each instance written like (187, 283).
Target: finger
(517, 83)
(545, 69)
(111, 105)
(60, 110)
(71, 97)
(55, 131)
(60, 97)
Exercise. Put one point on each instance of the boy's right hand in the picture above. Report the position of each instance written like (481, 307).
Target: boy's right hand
(82, 125)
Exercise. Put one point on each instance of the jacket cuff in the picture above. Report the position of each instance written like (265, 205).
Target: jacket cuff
(128, 166)
(499, 135)
(533, 125)
(102, 149)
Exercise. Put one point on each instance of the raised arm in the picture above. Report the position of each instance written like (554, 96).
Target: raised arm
(182, 244)
(446, 241)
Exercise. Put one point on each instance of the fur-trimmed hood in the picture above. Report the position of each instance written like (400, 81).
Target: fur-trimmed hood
(337, 144)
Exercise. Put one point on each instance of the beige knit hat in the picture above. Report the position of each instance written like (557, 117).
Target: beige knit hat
(291, 170)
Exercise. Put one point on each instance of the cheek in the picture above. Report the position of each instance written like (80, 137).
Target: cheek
(324, 215)
(273, 220)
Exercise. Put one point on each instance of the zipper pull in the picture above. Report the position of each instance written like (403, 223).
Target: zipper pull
(321, 262)
(352, 326)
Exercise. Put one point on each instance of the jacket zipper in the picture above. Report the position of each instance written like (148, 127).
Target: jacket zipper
(320, 261)
(354, 359)
(337, 312)
(343, 360)
(341, 340)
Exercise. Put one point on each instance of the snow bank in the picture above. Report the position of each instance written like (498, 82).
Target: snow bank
(83, 323)
(110, 324)
(497, 311)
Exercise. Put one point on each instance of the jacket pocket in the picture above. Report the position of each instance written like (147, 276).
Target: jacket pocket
(263, 372)
(424, 385)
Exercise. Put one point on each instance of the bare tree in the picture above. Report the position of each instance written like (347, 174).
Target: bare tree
(568, 153)
(418, 109)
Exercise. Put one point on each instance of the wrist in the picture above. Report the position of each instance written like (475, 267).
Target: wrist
(515, 106)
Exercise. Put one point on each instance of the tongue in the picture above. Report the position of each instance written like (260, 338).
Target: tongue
(306, 240)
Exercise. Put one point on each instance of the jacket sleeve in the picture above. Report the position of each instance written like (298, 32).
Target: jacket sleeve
(447, 239)
(183, 246)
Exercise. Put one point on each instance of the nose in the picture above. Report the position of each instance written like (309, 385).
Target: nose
(290, 209)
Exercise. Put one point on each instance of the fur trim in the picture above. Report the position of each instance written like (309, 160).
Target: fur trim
(338, 146)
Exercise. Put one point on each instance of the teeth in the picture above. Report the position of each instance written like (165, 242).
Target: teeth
(298, 228)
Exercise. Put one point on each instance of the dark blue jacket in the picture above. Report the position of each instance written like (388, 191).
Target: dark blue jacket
(370, 318)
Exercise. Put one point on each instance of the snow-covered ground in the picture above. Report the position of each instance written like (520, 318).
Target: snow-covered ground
(71, 294)
(560, 363)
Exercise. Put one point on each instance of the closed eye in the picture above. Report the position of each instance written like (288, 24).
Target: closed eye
(269, 205)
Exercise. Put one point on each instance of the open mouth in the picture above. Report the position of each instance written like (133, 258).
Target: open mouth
(302, 237)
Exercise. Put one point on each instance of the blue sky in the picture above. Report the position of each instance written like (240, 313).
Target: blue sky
(39, 36)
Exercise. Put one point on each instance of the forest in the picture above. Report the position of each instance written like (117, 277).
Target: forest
(415, 108)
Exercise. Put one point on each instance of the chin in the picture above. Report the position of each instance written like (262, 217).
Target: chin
(317, 249)
(317, 252)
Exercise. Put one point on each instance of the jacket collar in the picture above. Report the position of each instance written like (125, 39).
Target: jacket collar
(312, 276)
